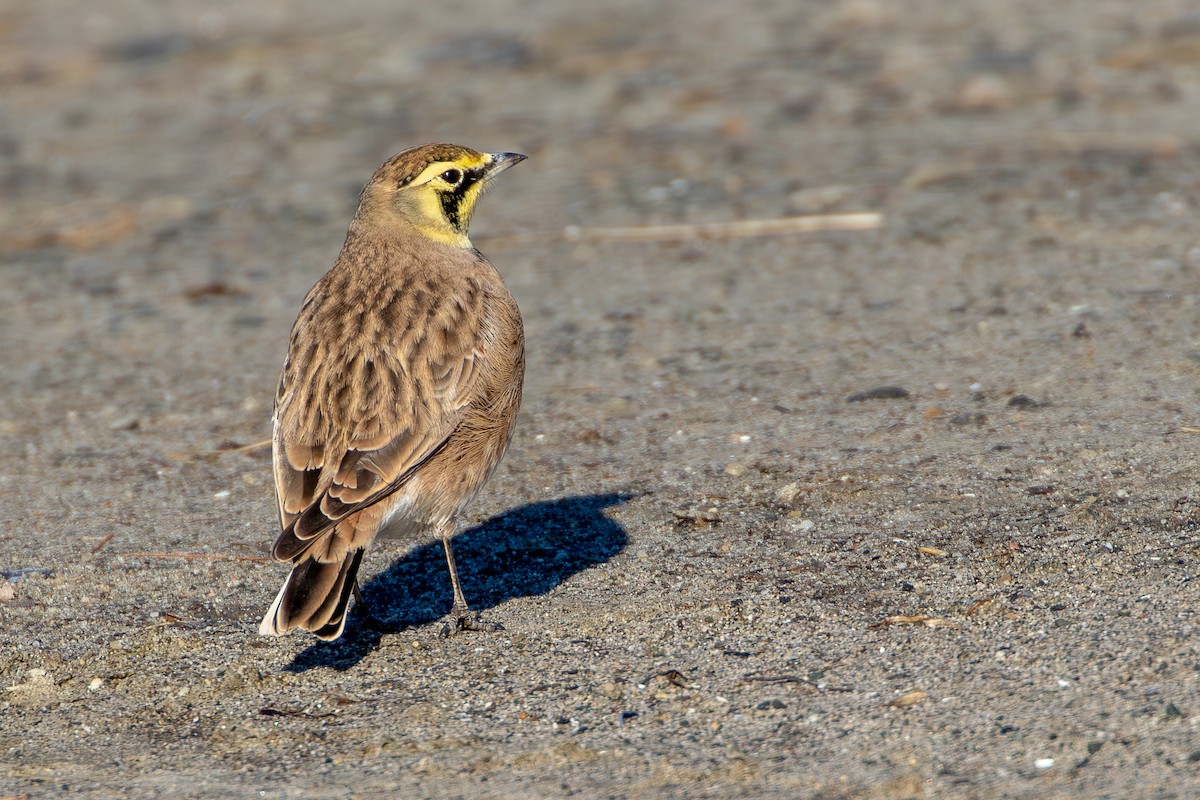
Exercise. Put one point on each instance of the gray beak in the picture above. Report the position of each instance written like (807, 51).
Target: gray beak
(501, 162)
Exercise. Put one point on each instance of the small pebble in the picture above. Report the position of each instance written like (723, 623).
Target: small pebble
(788, 493)
(611, 690)
(879, 393)
(985, 93)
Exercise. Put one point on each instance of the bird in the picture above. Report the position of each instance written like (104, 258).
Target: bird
(400, 388)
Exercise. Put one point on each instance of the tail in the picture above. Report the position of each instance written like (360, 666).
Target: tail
(314, 597)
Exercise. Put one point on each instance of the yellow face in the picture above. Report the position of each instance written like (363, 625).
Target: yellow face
(440, 198)
(444, 196)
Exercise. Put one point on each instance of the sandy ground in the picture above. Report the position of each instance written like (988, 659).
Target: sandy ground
(720, 573)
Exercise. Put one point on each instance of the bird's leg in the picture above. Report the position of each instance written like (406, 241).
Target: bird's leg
(364, 611)
(461, 616)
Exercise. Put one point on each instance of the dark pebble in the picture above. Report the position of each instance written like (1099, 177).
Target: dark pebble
(879, 393)
(1022, 401)
(151, 48)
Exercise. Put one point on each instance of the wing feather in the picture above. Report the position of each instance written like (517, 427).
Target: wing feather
(357, 416)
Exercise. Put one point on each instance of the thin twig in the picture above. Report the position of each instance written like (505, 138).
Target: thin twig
(210, 556)
(262, 444)
(913, 619)
(1135, 143)
(102, 544)
(586, 388)
(738, 229)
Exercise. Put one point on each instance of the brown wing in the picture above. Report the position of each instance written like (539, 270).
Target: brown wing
(374, 383)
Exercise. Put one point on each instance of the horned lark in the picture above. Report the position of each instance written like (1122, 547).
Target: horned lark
(400, 387)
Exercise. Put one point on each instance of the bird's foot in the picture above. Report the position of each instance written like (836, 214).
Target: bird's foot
(368, 621)
(363, 613)
(464, 619)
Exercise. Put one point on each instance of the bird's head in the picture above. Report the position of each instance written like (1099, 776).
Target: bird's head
(432, 188)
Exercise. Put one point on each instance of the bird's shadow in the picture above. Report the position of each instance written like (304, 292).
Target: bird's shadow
(521, 553)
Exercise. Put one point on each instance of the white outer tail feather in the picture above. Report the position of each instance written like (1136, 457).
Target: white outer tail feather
(270, 622)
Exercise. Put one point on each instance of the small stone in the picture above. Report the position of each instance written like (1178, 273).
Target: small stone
(985, 93)
(611, 690)
(909, 699)
(734, 470)
(879, 393)
(768, 705)
(788, 493)
(129, 422)
(772, 466)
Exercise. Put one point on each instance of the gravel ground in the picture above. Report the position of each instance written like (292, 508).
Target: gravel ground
(888, 514)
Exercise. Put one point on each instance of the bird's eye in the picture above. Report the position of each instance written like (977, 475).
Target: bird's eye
(452, 176)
